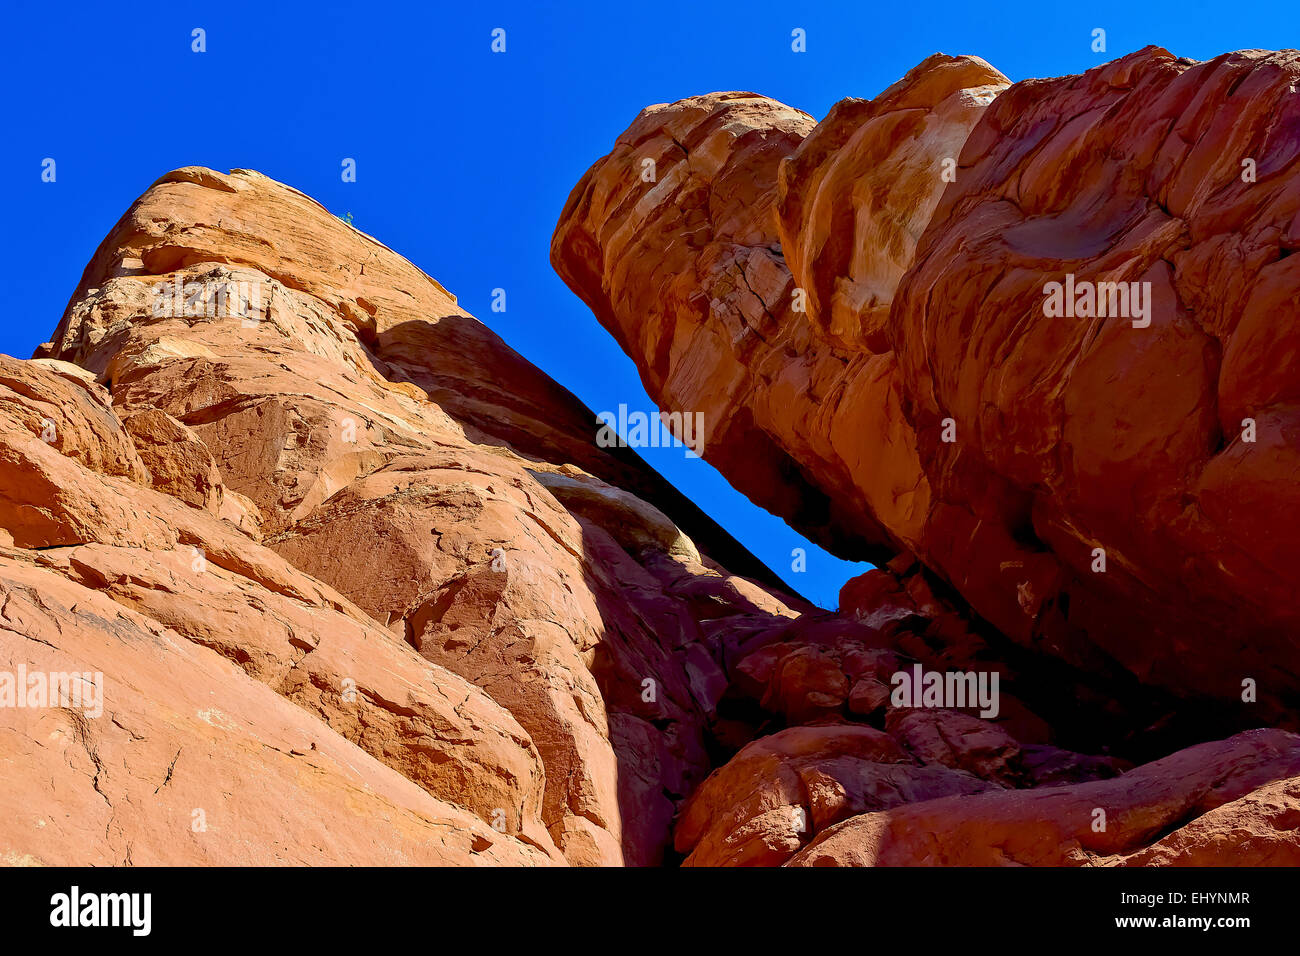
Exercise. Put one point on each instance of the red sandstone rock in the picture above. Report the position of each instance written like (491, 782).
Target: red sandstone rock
(1226, 799)
(925, 316)
(350, 554)
(177, 460)
(192, 761)
(362, 500)
(867, 338)
(957, 740)
(858, 192)
(780, 791)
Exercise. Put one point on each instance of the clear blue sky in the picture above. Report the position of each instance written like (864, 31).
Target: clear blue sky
(465, 157)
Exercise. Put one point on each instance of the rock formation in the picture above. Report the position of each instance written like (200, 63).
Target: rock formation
(923, 401)
(870, 340)
(310, 567)
(1086, 501)
(300, 510)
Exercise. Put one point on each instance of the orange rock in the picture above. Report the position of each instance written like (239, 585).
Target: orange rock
(311, 536)
(191, 761)
(1223, 800)
(858, 308)
(870, 339)
(176, 459)
(777, 793)
(332, 477)
(858, 192)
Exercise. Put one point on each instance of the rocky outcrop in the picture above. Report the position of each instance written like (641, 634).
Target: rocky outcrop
(770, 798)
(858, 308)
(191, 761)
(1215, 798)
(305, 565)
(264, 454)
(1071, 501)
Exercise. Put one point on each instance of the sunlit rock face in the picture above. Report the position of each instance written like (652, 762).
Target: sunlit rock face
(365, 541)
(875, 305)
(338, 577)
(1032, 345)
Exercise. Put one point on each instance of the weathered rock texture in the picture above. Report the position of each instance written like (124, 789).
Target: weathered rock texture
(857, 307)
(923, 403)
(1229, 790)
(343, 579)
(348, 534)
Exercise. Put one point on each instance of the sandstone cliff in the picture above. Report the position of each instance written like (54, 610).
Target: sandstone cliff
(361, 586)
(1091, 506)
(352, 582)
(869, 336)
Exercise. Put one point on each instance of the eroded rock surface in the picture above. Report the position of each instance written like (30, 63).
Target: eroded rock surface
(870, 342)
(279, 449)
(341, 578)
(1085, 506)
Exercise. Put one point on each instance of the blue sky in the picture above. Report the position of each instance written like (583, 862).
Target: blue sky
(465, 157)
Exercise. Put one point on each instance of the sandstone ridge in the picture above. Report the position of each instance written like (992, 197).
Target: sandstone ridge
(343, 579)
